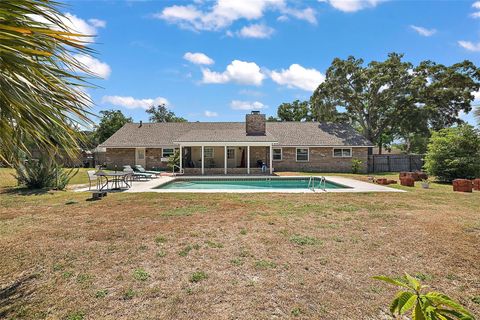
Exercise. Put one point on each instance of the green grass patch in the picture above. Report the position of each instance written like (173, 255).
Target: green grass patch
(265, 264)
(304, 240)
(198, 276)
(140, 275)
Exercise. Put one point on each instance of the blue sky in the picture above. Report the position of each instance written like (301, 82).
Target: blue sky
(216, 60)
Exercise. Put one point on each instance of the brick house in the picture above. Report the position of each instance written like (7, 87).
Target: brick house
(239, 147)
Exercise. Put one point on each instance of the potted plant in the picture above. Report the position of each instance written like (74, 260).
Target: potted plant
(425, 183)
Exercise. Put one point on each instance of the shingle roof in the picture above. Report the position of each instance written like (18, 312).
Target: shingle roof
(282, 133)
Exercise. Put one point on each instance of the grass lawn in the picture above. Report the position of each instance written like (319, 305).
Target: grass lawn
(232, 256)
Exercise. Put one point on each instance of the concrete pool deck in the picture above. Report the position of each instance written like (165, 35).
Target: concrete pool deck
(354, 186)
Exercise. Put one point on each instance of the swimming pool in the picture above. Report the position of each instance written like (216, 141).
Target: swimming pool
(249, 184)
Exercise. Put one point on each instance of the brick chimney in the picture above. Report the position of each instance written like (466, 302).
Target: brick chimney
(255, 124)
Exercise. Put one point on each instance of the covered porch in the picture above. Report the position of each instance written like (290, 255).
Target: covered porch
(236, 158)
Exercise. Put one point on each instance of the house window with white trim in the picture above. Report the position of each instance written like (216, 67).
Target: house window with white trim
(208, 152)
(302, 154)
(277, 154)
(342, 152)
(167, 152)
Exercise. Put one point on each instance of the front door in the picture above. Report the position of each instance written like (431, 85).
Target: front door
(140, 156)
(231, 158)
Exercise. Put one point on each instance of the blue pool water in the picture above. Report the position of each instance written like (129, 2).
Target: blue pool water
(239, 184)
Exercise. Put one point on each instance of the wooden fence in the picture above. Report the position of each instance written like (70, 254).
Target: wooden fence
(394, 163)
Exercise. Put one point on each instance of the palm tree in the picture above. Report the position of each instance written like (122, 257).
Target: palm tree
(42, 97)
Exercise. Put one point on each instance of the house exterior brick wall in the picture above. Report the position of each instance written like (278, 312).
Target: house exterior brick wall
(119, 157)
(321, 159)
(153, 159)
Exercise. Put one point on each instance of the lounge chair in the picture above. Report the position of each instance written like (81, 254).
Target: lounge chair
(139, 168)
(93, 178)
(137, 175)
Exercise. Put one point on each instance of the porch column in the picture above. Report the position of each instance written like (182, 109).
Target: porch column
(181, 158)
(271, 162)
(203, 160)
(225, 159)
(248, 159)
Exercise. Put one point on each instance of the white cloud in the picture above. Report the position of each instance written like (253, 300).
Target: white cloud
(297, 76)
(97, 23)
(100, 69)
(241, 72)
(223, 13)
(476, 94)
(476, 5)
(352, 5)
(132, 103)
(258, 31)
(210, 114)
(75, 24)
(470, 46)
(475, 15)
(198, 58)
(247, 105)
(424, 31)
(307, 14)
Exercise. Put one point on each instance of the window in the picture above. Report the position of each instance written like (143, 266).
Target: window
(342, 153)
(277, 154)
(302, 154)
(230, 154)
(140, 153)
(208, 152)
(167, 152)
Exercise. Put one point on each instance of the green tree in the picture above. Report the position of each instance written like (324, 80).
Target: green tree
(295, 111)
(395, 98)
(42, 97)
(111, 121)
(160, 113)
(272, 119)
(454, 153)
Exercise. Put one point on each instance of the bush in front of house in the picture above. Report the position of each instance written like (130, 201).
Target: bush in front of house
(42, 173)
(454, 153)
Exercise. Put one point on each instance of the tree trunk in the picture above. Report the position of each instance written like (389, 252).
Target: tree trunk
(380, 147)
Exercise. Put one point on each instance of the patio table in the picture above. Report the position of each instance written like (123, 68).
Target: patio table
(116, 178)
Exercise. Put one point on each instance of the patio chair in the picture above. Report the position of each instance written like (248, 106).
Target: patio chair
(93, 178)
(137, 175)
(139, 168)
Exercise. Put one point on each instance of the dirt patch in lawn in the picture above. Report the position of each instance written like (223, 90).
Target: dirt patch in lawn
(229, 256)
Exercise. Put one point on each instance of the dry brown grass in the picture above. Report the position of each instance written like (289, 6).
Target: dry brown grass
(263, 256)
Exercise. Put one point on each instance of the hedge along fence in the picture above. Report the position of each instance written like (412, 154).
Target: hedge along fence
(395, 162)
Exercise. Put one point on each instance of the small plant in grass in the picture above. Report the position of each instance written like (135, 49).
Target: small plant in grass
(84, 278)
(303, 240)
(237, 262)
(243, 231)
(265, 264)
(198, 276)
(184, 252)
(356, 165)
(213, 244)
(101, 293)
(160, 239)
(476, 299)
(67, 274)
(77, 315)
(161, 253)
(423, 306)
(140, 275)
(129, 294)
(296, 312)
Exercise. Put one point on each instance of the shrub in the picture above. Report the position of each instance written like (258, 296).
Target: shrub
(356, 165)
(454, 153)
(174, 160)
(431, 305)
(43, 173)
(198, 276)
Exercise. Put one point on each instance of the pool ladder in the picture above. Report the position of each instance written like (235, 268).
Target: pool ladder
(322, 182)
